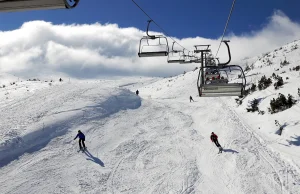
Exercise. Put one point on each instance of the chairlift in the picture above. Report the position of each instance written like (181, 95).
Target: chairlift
(196, 60)
(211, 84)
(201, 50)
(22, 5)
(211, 61)
(158, 49)
(189, 58)
(229, 54)
(204, 50)
(176, 56)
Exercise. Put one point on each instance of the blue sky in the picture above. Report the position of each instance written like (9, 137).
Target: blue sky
(180, 18)
(35, 43)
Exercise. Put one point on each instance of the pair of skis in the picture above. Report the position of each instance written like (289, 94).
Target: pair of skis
(220, 149)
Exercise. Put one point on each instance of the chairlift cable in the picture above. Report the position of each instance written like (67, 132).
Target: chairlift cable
(231, 10)
(157, 24)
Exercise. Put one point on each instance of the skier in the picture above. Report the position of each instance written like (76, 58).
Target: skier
(214, 138)
(137, 92)
(191, 99)
(81, 139)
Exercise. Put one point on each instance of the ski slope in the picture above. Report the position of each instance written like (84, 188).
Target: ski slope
(264, 125)
(157, 142)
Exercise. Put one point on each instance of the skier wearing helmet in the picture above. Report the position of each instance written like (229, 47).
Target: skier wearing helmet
(81, 139)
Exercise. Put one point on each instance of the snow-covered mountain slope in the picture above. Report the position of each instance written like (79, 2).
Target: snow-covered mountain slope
(264, 125)
(157, 142)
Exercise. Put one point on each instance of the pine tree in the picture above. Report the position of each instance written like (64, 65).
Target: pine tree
(290, 101)
(282, 101)
(254, 105)
(253, 88)
(279, 82)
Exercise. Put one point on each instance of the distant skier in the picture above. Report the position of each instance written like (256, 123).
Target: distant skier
(81, 139)
(191, 99)
(214, 138)
(137, 92)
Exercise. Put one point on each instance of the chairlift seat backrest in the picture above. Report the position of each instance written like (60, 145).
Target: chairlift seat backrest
(22, 5)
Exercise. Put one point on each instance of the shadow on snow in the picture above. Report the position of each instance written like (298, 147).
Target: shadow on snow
(93, 159)
(230, 151)
(37, 140)
(295, 142)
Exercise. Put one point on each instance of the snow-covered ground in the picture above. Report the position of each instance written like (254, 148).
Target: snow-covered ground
(264, 125)
(157, 142)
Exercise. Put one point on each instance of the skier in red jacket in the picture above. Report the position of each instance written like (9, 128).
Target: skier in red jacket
(214, 138)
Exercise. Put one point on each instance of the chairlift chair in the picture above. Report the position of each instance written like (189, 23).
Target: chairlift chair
(22, 5)
(153, 50)
(189, 58)
(215, 86)
(176, 56)
(196, 60)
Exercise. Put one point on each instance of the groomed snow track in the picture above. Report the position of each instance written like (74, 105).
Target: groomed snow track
(159, 146)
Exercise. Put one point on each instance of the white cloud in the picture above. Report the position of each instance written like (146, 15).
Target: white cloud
(38, 48)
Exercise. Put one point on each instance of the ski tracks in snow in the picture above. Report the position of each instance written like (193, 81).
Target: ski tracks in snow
(158, 155)
(161, 147)
(274, 164)
(246, 165)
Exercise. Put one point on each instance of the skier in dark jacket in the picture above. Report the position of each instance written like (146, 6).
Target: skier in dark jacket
(81, 139)
(214, 138)
(191, 99)
(137, 92)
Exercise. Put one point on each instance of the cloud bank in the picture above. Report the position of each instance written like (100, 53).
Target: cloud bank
(39, 48)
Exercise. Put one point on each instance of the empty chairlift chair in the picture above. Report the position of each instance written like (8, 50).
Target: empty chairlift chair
(189, 58)
(22, 5)
(153, 45)
(176, 56)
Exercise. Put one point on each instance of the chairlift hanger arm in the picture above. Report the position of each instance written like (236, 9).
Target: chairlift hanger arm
(174, 51)
(147, 31)
(68, 6)
(173, 46)
(229, 54)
